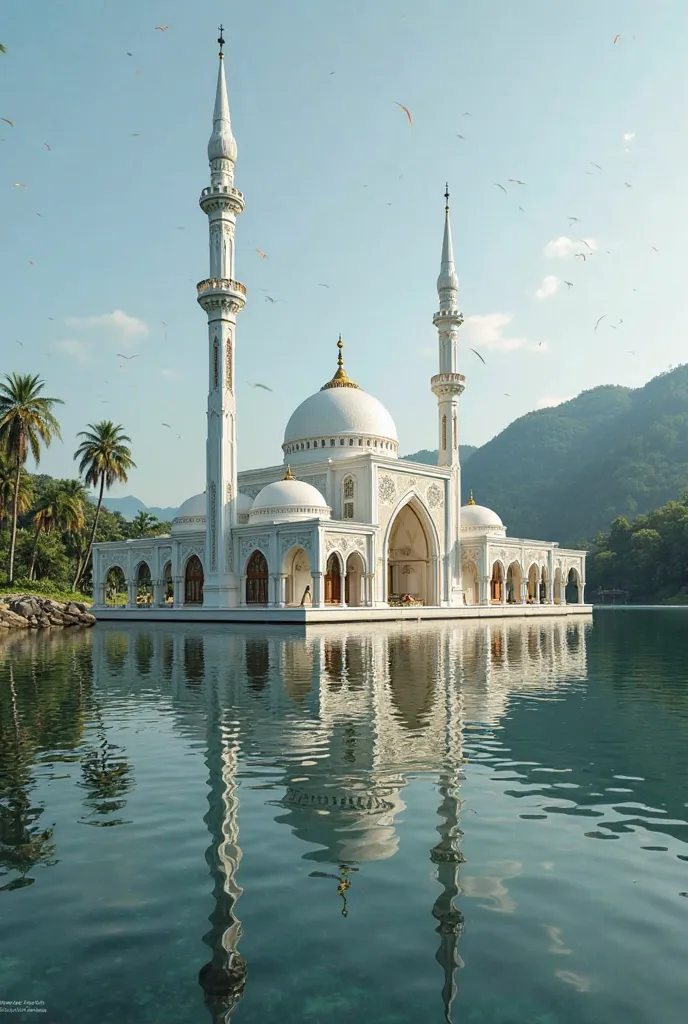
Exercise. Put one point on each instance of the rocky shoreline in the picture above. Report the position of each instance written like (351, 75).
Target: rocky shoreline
(30, 612)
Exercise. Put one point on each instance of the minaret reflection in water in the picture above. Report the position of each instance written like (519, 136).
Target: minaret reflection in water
(224, 976)
(346, 720)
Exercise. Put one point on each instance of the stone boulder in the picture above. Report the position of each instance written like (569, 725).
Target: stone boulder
(26, 611)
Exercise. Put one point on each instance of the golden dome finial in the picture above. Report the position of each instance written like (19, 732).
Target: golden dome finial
(340, 379)
(287, 475)
(471, 500)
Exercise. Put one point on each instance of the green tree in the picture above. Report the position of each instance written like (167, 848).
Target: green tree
(143, 525)
(26, 421)
(104, 459)
(61, 508)
(7, 480)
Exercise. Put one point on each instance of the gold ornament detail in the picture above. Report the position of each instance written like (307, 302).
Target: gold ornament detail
(340, 379)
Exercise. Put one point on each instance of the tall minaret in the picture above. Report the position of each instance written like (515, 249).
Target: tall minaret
(448, 385)
(221, 297)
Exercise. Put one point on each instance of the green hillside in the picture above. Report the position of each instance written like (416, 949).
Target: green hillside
(565, 473)
(429, 458)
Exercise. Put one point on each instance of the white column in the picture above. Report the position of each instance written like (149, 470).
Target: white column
(158, 593)
(537, 586)
(504, 590)
(317, 589)
(131, 593)
(178, 594)
(524, 591)
(484, 589)
(550, 590)
(581, 593)
(242, 590)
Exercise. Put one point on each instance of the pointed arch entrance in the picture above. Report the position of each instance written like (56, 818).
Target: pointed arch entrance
(411, 557)
(193, 581)
(333, 580)
(257, 579)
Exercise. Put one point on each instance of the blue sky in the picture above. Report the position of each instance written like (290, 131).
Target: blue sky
(339, 191)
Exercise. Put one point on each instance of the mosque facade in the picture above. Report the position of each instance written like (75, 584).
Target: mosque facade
(342, 528)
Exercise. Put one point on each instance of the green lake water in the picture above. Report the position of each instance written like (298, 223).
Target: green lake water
(474, 822)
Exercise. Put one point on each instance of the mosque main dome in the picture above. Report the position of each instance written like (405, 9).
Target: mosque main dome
(338, 422)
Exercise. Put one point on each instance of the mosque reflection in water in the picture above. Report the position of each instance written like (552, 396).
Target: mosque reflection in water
(355, 716)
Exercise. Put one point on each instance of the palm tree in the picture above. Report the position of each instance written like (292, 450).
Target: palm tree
(26, 419)
(143, 524)
(62, 508)
(7, 489)
(104, 459)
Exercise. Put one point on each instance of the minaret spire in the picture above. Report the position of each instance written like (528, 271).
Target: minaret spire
(447, 386)
(222, 297)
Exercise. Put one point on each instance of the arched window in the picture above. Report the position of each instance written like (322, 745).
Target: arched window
(193, 581)
(348, 498)
(257, 579)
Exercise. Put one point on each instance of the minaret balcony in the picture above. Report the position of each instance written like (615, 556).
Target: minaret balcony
(448, 315)
(221, 197)
(448, 384)
(219, 292)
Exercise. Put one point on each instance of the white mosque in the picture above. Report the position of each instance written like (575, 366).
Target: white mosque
(343, 529)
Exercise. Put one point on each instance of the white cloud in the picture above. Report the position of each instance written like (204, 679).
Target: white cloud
(549, 285)
(548, 403)
(77, 350)
(488, 332)
(563, 248)
(628, 136)
(125, 327)
(169, 373)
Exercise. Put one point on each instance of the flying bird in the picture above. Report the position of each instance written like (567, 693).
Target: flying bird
(166, 425)
(161, 28)
(321, 285)
(269, 298)
(580, 256)
(467, 113)
(506, 395)
(569, 284)
(19, 184)
(263, 255)
(20, 343)
(407, 112)
(461, 136)
(627, 184)
(630, 352)
(475, 352)
(616, 37)
(7, 121)
(499, 186)
(263, 386)
(46, 146)
(129, 54)
(573, 220)
(655, 248)
(521, 209)
(599, 321)
(515, 181)
(587, 243)
(593, 164)
(121, 356)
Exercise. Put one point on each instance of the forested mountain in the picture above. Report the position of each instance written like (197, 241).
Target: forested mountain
(429, 458)
(565, 473)
(129, 507)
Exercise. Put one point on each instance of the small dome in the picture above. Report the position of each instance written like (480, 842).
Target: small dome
(190, 514)
(479, 518)
(288, 499)
(338, 421)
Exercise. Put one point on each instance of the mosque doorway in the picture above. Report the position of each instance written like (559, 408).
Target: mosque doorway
(353, 581)
(298, 579)
(193, 581)
(410, 577)
(573, 587)
(333, 580)
(471, 582)
(513, 584)
(257, 579)
(497, 583)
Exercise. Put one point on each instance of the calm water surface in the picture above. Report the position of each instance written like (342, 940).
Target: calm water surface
(474, 822)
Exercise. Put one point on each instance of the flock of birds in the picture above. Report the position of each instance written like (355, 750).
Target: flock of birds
(263, 255)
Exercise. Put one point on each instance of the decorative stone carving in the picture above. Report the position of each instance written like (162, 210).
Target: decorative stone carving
(387, 490)
(344, 542)
(191, 549)
(229, 382)
(216, 364)
(295, 540)
(228, 492)
(251, 544)
(435, 496)
(470, 554)
(229, 554)
(213, 527)
(319, 482)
